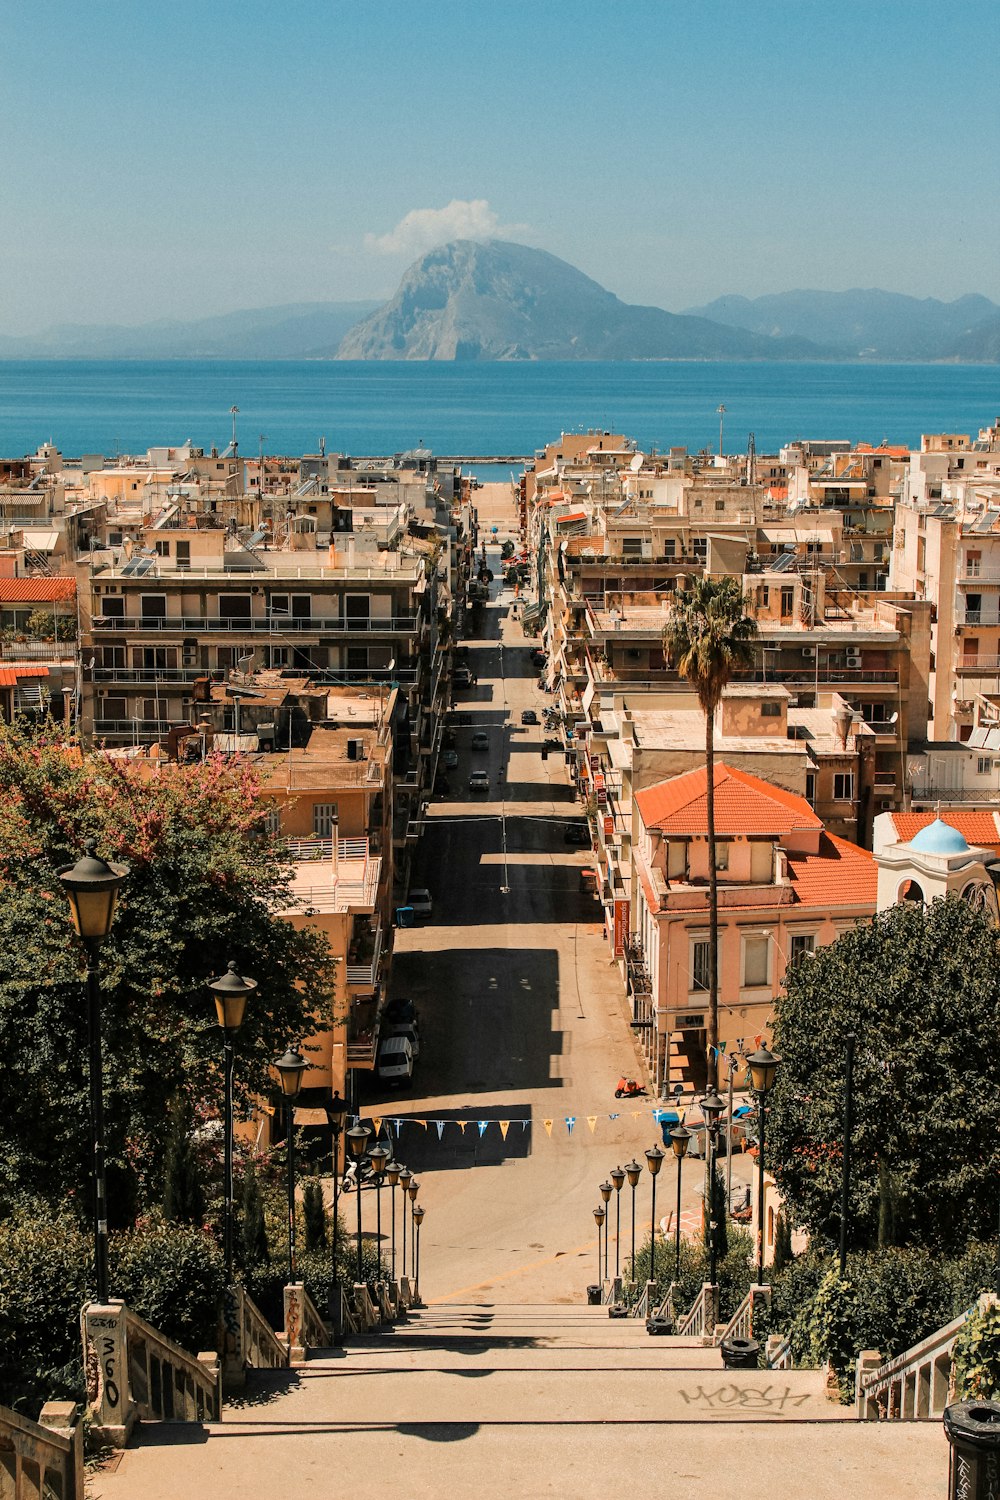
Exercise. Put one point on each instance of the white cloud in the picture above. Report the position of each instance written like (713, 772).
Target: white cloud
(423, 228)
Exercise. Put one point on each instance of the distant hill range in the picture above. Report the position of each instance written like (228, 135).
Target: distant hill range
(501, 301)
(870, 324)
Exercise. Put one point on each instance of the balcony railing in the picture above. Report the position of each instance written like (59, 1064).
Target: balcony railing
(259, 624)
(978, 664)
(37, 650)
(131, 729)
(364, 972)
(127, 676)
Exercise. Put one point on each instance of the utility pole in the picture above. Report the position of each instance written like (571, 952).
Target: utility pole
(720, 411)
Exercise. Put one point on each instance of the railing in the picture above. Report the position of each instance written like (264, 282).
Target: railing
(133, 729)
(640, 1307)
(947, 794)
(978, 664)
(366, 1314)
(611, 1291)
(262, 1348)
(37, 650)
(42, 1460)
(916, 1385)
(699, 1321)
(406, 1292)
(257, 624)
(778, 1352)
(666, 1311)
(304, 1327)
(740, 1325)
(166, 1383)
(365, 973)
(129, 676)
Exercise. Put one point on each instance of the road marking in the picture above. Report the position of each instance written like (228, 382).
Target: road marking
(533, 1265)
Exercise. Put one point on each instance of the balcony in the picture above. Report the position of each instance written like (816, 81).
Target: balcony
(130, 676)
(983, 664)
(133, 730)
(363, 959)
(285, 625)
(333, 875)
(986, 617)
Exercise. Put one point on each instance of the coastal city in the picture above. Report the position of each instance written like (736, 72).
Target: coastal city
(637, 810)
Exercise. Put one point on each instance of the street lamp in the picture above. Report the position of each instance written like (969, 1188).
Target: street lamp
(392, 1172)
(413, 1188)
(378, 1156)
(418, 1219)
(680, 1138)
(405, 1178)
(91, 887)
(712, 1108)
(617, 1176)
(230, 994)
(600, 1214)
(357, 1141)
(605, 1191)
(336, 1114)
(633, 1172)
(654, 1161)
(290, 1069)
(763, 1066)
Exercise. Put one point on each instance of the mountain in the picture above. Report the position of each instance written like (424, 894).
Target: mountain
(501, 301)
(981, 345)
(296, 331)
(859, 324)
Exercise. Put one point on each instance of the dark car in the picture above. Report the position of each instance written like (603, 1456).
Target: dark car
(538, 658)
(576, 833)
(528, 716)
(401, 1010)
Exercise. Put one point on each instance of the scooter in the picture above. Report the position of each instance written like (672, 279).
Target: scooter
(628, 1088)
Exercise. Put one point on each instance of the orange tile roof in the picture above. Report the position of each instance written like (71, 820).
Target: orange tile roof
(841, 874)
(10, 675)
(976, 827)
(743, 804)
(36, 590)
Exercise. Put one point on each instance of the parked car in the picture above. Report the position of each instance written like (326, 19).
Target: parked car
(461, 677)
(420, 900)
(479, 781)
(480, 740)
(401, 1008)
(410, 1031)
(449, 760)
(576, 833)
(538, 658)
(528, 716)
(394, 1061)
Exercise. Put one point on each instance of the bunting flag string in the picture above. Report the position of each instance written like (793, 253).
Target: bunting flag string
(592, 1122)
(439, 1125)
(548, 1126)
(570, 1122)
(377, 1122)
(504, 1127)
(658, 1115)
(482, 1128)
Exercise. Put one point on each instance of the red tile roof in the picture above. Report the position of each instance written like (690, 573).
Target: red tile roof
(743, 804)
(36, 590)
(10, 675)
(841, 874)
(977, 828)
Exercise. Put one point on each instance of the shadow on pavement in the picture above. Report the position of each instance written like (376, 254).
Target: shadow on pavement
(458, 1145)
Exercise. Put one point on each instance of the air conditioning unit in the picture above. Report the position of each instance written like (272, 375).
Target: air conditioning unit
(809, 652)
(853, 659)
(355, 749)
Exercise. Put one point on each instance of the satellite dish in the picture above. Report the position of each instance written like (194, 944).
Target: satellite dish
(637, 463)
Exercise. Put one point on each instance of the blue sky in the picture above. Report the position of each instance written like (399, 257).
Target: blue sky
(187, 159)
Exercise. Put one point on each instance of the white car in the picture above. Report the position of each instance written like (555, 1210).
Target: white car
(420, 900)
(480, 740)
(408, 1030)
(479, 781)
(394, 1063)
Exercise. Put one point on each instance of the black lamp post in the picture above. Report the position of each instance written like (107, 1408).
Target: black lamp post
(763, 1065)
(605, 1191)
(392, 1170)
(91, 887)
(680, 1138)
(378, 1156)
(617, 1176)
(290, 1069)
(418, 1219)
(230, 994)
(357, 1141)
(712, 1107)
(336, 1113)
(633, 1172)
(600, 1215)
(413, 1188)
(405, 1178)
(654, 1161)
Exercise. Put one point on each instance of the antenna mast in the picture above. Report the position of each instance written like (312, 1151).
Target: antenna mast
(721, 413)
(752, 460)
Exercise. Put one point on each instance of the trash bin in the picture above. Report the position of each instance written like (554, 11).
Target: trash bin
(740, 1354)
(659, 1325)
(617, 1310)
(404, 916)
(593, 1295)
(973, 1432)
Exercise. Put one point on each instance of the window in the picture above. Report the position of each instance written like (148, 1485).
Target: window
(801, 944)
(152, 607)
(631, 546)
(756, 962)
(272, 817)
(810, 787)
(843, 786)
(112, 656)
(984, 765)
(770, 710)
(324, 818)
(722, 856)
(720, 504)
(234, 606)
(357, 606)
(114, 708)
(787, 602)
(162, 547)
(669, 547)
(700, 967)
(183, 558)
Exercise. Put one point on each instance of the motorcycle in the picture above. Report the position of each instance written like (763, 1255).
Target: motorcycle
(628, 1088)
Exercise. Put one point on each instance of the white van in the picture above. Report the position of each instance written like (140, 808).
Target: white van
(394, 1063)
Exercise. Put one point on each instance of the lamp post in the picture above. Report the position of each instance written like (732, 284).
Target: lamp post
(712, 1108)
(418, 1219)
(618, 1177)
(633, 1172)
(763, 1065)
(290, 1069)
(679, 1140)
(654, 1161)
(845, 1186)
(413, 1188)
(230, 994)
(357, 1141)
(378, 1156)
(600, 1215)
(336, 1113)
(405, 1178)
(392, 1170)
(91, 887)
(605, 1191)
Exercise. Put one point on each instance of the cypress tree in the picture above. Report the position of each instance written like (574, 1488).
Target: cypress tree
(314, 1215)
(183, 1195)
(252, 1231)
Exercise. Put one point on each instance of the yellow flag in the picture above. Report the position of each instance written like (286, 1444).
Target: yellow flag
(504, 1127)
(548, 1126)
(377, 1122)
(421, 1122)
(636, 1113)
(461, 1125)
(591, 1121)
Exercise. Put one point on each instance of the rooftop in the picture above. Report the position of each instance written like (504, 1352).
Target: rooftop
(36, 590)
(744, 804)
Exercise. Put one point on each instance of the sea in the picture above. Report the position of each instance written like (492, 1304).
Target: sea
(481, 411)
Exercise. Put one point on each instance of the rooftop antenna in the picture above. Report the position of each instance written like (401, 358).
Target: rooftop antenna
(234, 412)
(752, 460)
(720, 413)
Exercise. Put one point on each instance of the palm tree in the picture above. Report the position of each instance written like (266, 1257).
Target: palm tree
(708, 636)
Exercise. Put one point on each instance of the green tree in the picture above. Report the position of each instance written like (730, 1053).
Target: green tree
(920, 988)
(252, 1227)
(206, 886)
(709, 636)
(782, 1244)
(314, 1215)
(183, 1194)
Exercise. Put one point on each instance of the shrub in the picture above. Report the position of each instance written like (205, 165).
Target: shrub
(46, 1276)
(314, 1215)
(172, 1275)
(977, 1357)
(183, 1194)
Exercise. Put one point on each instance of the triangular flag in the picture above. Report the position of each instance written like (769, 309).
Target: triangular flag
(439, 1125)
(656, 1116)
(504, 1127)
(592, 1122)
(422, 1123)
(570, 1122)
(635, 1114)
(399, 1128)
(482, 1127)
(377, 1122)
(461, 1125)
(612, 1117)
(548, 1126)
